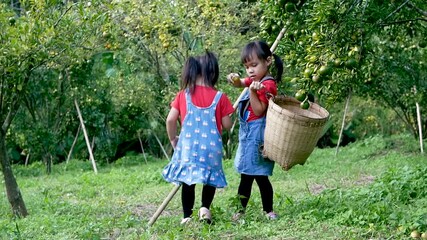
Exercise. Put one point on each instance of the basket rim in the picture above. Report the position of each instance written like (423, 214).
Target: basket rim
(322, 112)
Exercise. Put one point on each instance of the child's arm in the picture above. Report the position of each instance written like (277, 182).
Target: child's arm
(171, 126)
(226, 122)
(259, 107)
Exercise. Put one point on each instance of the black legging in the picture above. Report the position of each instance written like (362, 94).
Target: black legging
(188, 196)
(265, 188)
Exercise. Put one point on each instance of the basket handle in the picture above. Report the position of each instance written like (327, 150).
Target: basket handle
(269, 95)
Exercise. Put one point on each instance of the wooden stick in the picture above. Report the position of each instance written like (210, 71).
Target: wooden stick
(27, 158)
(164, 204)
(343, 122)
(142, 148)
(86, 137)
(74, 143)
(161, 146)
(420, 132)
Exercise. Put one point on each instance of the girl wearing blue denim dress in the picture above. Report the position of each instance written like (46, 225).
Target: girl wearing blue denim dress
(203, 112)
(249, 162)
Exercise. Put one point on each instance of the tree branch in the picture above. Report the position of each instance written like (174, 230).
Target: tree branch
(62, 15)
(403, 21)
(419, 10)
(397, 9)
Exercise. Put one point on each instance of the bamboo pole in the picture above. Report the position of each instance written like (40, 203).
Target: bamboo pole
(86, 137)
(343, 122)
(164, 204)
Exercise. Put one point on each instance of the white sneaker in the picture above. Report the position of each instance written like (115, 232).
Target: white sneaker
(272, 216)
(185, 221)
(205, 215)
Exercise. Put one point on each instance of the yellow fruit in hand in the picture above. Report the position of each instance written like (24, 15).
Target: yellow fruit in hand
(235, 79)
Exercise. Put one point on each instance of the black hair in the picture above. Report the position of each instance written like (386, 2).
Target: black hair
(205, 65)
(209, 67)
(262, 51)
(191, 71)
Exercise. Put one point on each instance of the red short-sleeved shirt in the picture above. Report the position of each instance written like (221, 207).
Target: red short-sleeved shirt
(270, 87)
(203, 97)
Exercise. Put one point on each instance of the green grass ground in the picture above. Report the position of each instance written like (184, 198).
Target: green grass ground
(374, 189)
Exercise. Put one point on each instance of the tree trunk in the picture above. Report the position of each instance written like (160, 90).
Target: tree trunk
(12, 190)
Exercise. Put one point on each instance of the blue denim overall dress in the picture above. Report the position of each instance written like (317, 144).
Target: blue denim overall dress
(248, 158)
(198, 155)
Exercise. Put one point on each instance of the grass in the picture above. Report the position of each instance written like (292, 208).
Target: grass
(373, 189)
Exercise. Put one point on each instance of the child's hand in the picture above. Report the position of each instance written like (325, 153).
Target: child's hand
(255, 86)
(234, 79)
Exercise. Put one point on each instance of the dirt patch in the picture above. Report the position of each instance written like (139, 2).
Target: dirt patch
(364, 180)
(148, 210)
(316, 189)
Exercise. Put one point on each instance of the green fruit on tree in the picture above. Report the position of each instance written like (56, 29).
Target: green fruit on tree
(12, 21)
(324, 70)
(106, 34)
(305, 104)
(351, 63)
(294, 80)
(308, 72)
(337, 63)
(315, 78)
(274, 27)
(300, 95)
(290, 7)
(165, 45)
(312, 59)
(422, 44)
(315, 36)
(424, 235)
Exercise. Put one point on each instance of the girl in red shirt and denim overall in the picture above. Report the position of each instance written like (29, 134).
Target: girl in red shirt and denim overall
(203, 112)
(249, 162)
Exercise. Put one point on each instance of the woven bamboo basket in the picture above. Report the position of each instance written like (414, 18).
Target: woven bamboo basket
(291, 133)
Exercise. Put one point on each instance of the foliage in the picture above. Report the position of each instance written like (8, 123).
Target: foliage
(327, 198)
(120, 61)
(372, 48)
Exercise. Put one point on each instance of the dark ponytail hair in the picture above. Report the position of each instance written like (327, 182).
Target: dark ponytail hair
(262, 51)
(209, 67)
(190, 72)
